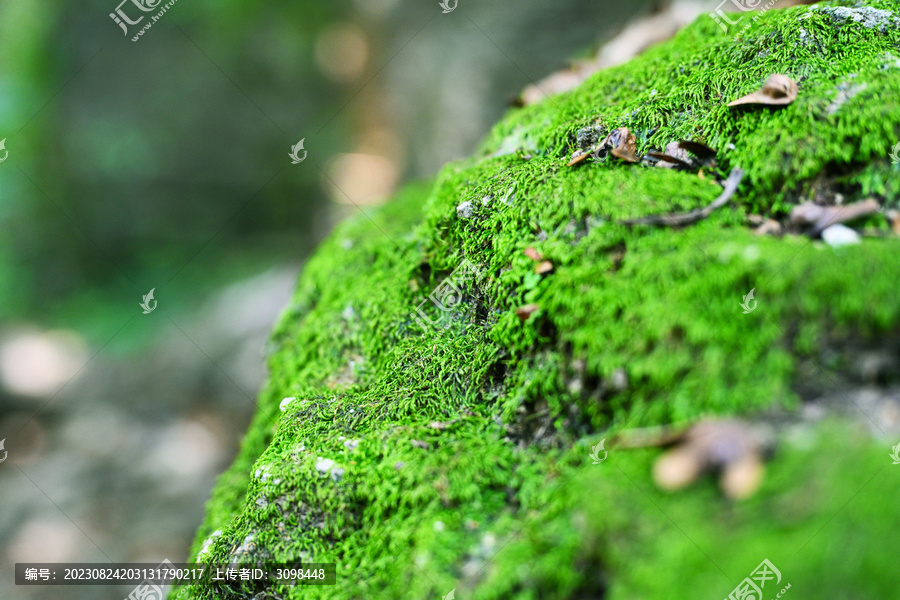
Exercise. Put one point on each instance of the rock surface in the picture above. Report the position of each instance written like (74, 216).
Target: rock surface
(472, 419)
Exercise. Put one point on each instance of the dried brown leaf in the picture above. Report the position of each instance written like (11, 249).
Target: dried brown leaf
(756, 220)
(624, 155)
(665, 158)
(577, 157)
(533, 254)
(543, 267)
(699, 149)
(623, 144)
(523, 312)
(778, 90)
(768, 227)
(894, 217)
(730, 447)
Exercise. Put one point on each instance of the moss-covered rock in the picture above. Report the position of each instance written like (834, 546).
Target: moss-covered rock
(433, 444)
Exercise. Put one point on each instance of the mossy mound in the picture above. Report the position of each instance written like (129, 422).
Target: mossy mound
(461, 448)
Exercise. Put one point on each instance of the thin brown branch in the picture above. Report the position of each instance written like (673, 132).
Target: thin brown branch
(679, 219)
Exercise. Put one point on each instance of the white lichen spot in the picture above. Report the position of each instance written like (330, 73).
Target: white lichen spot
(284, 403)
(845, 92)
(351, 444)
(465, 210)
(323, 465)
(866, 16)
(751, 253)
(471, 568)
(348, 314)
(727, 253)
(207, 543)
(327, 466)
(488, 542)
(246, 546)
(438, 525)
(839, 235)
(262, 473)
(510, 196)
(262, 502)
(890, 61)
(516, 141)
(593, 222)
(486, 200)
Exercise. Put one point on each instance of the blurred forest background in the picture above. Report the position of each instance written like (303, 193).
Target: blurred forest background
(163, 164)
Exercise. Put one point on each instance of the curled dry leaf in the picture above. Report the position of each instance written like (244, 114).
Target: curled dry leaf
(756, 220)
(577, 157)
(623, 144)
(768, 227)
(729, 447)
(685, 154)
(742, 478)
(778, 90)
(893, 216)
(543, 267)
(698, 149)
(523, 312)
(668, 161)
(533, 254)
(624, 155)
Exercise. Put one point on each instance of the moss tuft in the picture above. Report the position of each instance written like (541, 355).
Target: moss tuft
(455, 455)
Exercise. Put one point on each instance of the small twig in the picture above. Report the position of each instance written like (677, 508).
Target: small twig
(675, 220)
(647, 437)
(822, 217)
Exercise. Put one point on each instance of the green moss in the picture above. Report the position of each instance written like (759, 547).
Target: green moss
(483, 421)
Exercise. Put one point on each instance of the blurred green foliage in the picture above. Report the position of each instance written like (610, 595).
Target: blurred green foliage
(157, 163)
(162, 163)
